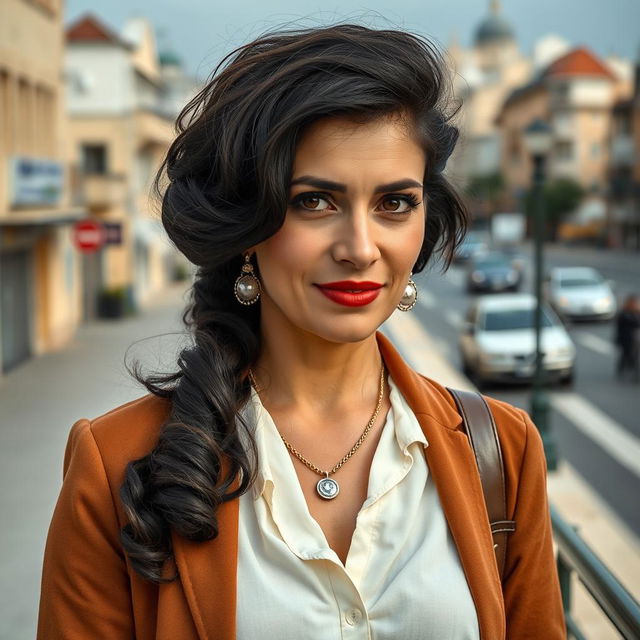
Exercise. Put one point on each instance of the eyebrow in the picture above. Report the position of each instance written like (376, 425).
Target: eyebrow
(330, 185)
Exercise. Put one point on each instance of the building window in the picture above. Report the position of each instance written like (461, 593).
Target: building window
(562, 120)
(560, 91)
(564, 151)
(25, 128)
(94, 158)
(45, 121)
(6, 113)
(622, 125)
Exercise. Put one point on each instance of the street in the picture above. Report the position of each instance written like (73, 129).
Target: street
(595, 422)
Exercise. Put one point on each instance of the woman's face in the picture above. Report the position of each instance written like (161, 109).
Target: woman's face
(353, 230)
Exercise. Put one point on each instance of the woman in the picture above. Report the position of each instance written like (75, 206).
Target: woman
(295, 478)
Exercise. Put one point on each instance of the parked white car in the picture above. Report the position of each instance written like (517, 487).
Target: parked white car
(497, 342)
(581, 293)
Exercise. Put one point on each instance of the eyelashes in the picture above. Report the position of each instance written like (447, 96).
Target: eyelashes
(410, 199)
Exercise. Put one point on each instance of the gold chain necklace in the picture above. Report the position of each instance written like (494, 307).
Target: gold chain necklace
(327, 487)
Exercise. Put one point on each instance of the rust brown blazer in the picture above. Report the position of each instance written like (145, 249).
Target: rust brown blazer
(89, 591)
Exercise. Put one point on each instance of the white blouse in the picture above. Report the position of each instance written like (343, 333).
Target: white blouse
(402, 579)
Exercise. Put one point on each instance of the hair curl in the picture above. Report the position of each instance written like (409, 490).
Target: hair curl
(227, 181)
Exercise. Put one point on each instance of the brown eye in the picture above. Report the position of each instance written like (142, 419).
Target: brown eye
(409, 201)
(395, 202)
(310, 202)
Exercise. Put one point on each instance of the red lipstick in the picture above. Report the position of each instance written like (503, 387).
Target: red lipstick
(351, 293)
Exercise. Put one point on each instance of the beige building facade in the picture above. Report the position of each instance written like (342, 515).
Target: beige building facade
(118, 135)
(575, 95)
(40, 270)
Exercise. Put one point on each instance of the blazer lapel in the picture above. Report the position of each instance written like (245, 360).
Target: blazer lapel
(208, 576)
(454, 471)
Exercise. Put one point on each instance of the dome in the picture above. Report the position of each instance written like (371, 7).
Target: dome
(494, 28)
(169, 58)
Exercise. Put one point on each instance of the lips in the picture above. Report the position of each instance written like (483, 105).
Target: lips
(350, 293)
(351, 285)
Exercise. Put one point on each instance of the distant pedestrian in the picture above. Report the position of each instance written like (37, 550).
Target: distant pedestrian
(628, 337)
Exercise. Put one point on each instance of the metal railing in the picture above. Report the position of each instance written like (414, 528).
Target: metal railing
(574, 555)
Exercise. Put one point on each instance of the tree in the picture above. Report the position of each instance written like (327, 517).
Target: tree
(487, 188)
(561, 196)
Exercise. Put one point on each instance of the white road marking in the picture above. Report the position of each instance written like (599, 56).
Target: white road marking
(606, 432)
(426, 299)
(595, 343)
(453, 317)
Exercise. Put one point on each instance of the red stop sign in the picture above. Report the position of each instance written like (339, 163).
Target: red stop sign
(88, 235)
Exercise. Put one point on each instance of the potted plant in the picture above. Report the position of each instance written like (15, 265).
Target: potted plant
(112, 302)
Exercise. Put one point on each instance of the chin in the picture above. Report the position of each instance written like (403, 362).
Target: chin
(345, 331)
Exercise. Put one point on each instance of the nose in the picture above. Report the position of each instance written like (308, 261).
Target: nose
(356, 242)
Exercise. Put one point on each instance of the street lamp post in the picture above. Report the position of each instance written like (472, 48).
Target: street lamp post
(538, 140)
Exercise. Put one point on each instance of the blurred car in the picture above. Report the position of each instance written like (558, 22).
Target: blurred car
(581, 293)
(497, 342)
(493, 272)
(514, 253)
(474, 243)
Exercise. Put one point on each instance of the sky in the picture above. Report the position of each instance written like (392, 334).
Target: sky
(201, 32)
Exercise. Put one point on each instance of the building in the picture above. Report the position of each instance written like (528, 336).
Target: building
(485, 74)
(40, 271)
(121, 124)
(575, 94)
(623, 215)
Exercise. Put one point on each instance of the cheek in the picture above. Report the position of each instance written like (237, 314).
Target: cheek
(289, 251)
(408, 244)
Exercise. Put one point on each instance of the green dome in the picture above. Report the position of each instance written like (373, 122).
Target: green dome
(167, 58)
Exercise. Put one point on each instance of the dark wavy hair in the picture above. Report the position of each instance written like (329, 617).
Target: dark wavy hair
(225, 185)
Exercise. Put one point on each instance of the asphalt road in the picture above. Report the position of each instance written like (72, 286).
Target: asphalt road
(596, 423)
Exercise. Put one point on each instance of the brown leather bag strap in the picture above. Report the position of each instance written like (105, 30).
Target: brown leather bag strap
(480, 427)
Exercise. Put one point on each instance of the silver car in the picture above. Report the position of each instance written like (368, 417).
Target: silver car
(581, 293)
(497, 342)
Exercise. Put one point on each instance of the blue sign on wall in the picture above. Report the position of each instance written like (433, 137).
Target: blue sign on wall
(35, 181)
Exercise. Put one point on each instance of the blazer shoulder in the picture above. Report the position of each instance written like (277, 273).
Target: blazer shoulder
(129, 431)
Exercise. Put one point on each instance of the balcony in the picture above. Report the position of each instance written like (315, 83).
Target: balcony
(102, 191)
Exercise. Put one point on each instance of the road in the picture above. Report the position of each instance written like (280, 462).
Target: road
(596, 422)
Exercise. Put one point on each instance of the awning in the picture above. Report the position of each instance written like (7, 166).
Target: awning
(42, 217)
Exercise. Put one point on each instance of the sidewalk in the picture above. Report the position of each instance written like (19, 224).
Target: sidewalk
(603, 531)
(39, 401)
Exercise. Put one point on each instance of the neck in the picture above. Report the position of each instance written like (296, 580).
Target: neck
(304, 372)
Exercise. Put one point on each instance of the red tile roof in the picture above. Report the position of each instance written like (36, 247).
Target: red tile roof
(88, 28)
(579, 62)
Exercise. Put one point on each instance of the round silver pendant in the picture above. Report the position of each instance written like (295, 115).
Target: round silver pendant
(327, 488)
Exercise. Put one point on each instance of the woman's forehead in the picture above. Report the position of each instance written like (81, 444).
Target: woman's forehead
(334, 148)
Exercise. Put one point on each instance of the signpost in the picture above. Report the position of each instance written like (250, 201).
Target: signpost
(88, 235)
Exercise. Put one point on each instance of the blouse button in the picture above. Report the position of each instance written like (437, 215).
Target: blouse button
(353, 616)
